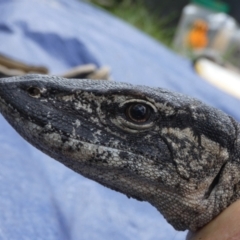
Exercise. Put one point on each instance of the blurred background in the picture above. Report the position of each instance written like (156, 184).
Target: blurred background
(201, 30)
(161, 19)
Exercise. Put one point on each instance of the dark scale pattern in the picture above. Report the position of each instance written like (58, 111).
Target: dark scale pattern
(148, 143)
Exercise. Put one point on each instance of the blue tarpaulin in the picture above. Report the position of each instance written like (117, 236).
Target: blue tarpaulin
(39, 197)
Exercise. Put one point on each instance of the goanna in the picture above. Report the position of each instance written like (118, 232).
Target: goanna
(151, 144)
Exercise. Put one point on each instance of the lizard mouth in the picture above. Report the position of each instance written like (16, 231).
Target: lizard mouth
(72, 150)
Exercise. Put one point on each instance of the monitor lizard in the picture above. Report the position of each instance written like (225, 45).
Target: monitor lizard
(151, 144)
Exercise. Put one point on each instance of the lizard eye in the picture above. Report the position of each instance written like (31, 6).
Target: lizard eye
(135, 115)
(138, 112)
(34, 92)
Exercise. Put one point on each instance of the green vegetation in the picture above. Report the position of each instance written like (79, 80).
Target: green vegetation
(136, 13)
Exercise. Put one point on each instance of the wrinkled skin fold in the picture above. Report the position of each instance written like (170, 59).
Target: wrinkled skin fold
(182, 156)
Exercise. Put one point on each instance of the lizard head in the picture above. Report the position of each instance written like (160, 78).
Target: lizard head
(148, 143)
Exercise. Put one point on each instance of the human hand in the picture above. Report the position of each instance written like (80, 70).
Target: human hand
(225, 226)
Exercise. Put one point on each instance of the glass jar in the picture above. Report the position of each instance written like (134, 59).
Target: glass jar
(204, 26)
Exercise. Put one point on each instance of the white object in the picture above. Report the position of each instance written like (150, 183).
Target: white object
(219, 76)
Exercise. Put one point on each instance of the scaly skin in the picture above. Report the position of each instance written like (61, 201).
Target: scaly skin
(151, 144)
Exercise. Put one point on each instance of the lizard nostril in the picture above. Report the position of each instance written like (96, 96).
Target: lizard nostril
(34, 92)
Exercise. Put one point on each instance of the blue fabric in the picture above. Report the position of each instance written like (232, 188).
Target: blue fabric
(38, 33)
(39, 197)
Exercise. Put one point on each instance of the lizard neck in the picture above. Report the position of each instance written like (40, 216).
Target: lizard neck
(236, 151)
(235, 174)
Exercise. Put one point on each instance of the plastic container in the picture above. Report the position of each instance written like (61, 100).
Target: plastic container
(204, 26)
(232, 53)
